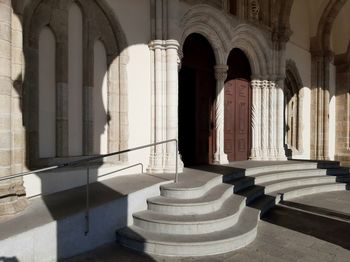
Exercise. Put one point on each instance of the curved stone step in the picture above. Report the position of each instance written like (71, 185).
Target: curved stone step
(189, 189)
(210, 202)
(197, 182)
(225, 217)
(263, 203)
(295, 182)
(280, 167)
(235, 237)
(308, 190)
(267, 177)
(251, 193)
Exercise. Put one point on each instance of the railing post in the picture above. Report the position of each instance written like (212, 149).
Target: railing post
(176, 164)
(87, 211)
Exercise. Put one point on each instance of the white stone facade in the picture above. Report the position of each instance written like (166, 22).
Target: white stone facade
(135, 49)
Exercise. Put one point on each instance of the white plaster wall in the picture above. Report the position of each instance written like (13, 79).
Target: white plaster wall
(302, 59)
(100, 96)
(134, 18)
(47, 87)
(332, 110)
(75, 81)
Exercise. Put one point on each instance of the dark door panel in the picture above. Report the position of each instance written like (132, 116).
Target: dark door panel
(237, 120)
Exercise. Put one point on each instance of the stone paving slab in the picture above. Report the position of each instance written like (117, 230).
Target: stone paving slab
(336, 201)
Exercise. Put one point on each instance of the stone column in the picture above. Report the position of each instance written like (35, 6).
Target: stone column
(256, 120)
(12, 192)
(157, 153)
(172, 90)
(88, 87)
(265, 120)
(280, 154)
(220, 74)
(272, 121)
(62, 94)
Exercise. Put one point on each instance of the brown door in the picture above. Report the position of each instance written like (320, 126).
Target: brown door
(237, 120)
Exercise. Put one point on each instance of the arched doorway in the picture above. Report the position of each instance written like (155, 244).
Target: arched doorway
(237, 131)
(292, 110)
(196, 96)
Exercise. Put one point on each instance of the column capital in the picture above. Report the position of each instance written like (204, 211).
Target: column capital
(171, 44)
(256, 83)
(265, 84)
(220, 72)
(156, 44)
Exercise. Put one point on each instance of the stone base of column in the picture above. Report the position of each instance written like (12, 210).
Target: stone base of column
(155, 164)
(220, 158)
(281, 155)
(12, 198)
(272, 154)
(255, 155)
(12, 205)
(170, 166)
(264, 155)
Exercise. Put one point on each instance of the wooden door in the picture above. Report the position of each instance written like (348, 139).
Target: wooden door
(237, 120)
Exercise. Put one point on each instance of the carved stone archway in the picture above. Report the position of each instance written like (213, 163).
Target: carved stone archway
(267, 119)
(293, 109)
(99, 24)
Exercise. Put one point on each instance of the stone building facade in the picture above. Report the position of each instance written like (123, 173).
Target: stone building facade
(231, 79)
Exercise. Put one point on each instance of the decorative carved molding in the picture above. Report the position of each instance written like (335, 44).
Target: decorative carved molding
(221, 72)
(254, 9)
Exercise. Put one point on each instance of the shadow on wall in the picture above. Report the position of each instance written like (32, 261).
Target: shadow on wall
(73, 93)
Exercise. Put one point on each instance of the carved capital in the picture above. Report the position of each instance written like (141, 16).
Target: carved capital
(221, 72)
(156, 44)
(256, 84)
(265, 84)
(171, 44)
(272, 85)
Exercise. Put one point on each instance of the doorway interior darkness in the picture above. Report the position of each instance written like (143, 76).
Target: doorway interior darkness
(196, 97)
(237, 111)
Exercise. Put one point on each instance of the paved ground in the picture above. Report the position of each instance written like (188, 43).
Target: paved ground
(285, 234)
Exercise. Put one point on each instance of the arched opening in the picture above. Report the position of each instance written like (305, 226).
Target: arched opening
(80, 122)
(292, 110)
(237, 109)
(196, 97)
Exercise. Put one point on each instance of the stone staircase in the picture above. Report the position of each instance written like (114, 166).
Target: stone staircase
(208, 214)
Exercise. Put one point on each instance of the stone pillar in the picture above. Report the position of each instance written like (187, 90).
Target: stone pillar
(172, 90)
(272, 121)
(114, 108)
(220, 74)
(157, 153)
(280, 154)
(12, 193)
(320, 104)
(256, 120)
(265, 120)
(88, 87)
(62, 96)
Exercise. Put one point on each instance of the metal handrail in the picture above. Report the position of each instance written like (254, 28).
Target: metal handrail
(90, 159)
